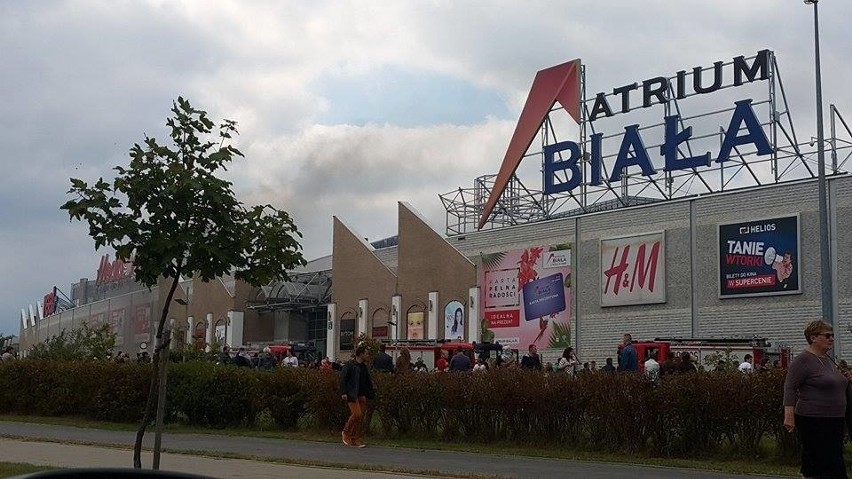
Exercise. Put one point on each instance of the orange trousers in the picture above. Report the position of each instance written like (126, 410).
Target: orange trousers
(352, 429)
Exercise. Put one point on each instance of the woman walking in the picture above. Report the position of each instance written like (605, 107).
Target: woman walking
(815, 404)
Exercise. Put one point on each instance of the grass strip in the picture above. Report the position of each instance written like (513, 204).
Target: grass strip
(10, 469)
(264, 459)
(718, 463)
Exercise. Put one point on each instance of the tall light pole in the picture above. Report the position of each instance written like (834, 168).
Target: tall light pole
(824, 249)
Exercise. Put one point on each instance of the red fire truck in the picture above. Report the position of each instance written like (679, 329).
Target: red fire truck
(701, 348)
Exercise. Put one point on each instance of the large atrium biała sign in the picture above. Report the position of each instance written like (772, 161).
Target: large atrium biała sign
(562, 84)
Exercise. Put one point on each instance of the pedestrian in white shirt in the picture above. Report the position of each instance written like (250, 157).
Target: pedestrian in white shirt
(568, 362)
(652, 367)
(8, 354)
(746, 366)
(290, 360)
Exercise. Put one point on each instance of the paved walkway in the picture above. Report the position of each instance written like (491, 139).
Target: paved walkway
(75, 456)
(26, 443)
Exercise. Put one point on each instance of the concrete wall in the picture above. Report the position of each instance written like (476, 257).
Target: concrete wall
(599, 329)
(134, 316)
(841, 246)
(358, 274)
(781, 318)
(693, 307)
(427, 263)
(121, 313)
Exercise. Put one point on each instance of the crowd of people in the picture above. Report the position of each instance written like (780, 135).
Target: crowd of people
(569, 363)
(266, 359)
(467, 360)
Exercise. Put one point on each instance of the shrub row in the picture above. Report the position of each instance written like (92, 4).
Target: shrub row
(683, 416)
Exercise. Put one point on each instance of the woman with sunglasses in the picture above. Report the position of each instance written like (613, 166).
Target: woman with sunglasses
(815, 404)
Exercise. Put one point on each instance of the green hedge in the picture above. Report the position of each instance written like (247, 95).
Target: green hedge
(686, 415)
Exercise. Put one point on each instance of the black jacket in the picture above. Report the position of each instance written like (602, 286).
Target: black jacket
(383, 362)
(350, 380)
(531, 362)
(460, 362)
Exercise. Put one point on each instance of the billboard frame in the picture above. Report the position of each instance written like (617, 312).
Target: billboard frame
(798, 269)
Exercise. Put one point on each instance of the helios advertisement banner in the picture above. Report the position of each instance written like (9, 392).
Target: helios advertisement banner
(759, 258)
(633, 270)
(526, 296)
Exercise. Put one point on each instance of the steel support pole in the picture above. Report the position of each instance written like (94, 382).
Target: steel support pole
(824, 247)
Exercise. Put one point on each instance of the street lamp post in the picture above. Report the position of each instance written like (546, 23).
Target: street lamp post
(824, 250)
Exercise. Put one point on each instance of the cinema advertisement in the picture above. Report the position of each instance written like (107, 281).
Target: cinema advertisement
(526, 297)
(759, 258)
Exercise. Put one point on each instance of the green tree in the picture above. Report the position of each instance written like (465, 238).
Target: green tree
(171, 215)
(83, 344)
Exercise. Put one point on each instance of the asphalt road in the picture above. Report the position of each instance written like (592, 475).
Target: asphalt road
(441, 463)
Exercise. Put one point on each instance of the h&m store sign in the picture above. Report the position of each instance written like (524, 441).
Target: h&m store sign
(743, 129)
(113, 271)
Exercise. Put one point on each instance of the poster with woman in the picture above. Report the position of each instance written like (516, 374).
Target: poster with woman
(454, 321)
(415, 325)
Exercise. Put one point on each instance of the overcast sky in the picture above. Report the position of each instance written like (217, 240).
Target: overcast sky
(344, 108)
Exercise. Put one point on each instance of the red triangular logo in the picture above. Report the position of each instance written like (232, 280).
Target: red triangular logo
(560, 83)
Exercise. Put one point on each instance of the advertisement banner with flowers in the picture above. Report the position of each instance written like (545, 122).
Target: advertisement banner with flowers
(526, 297)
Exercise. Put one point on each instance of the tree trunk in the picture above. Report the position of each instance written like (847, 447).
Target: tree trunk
(161, 407)
(155, 376)
(149, 406)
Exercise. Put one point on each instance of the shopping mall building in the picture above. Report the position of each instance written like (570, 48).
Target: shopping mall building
(682, 206)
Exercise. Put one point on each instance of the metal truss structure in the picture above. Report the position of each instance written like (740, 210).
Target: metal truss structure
(303, 291)
(63, 302)
(708, 116)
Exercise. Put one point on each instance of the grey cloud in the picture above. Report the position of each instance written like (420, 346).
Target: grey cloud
(361, 172)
